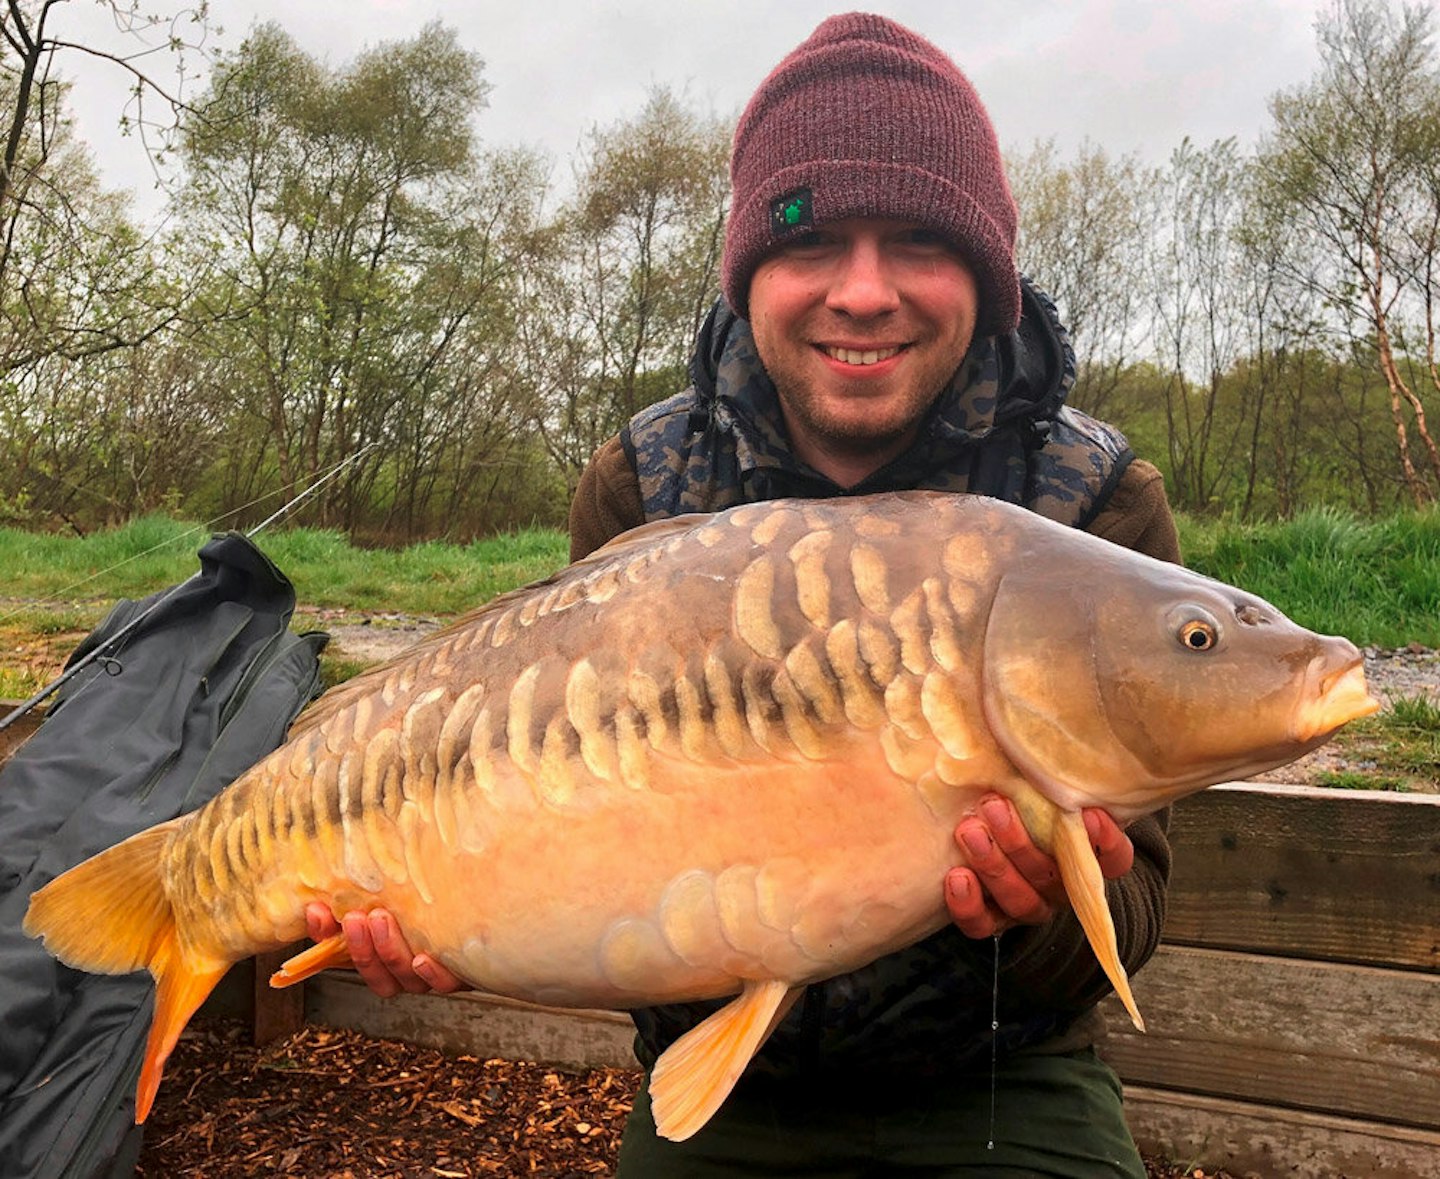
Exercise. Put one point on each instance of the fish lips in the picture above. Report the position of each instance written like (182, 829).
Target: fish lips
(1339, 696)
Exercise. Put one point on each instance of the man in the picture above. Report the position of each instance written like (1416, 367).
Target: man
(875, 335)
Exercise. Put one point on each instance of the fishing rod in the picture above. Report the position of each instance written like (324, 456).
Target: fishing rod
(102, 650)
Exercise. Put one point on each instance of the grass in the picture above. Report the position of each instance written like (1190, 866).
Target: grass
(152, 552)
(1398, 747)
(1375, 581)
(1414, 715)
(62, 586)
(20, 683)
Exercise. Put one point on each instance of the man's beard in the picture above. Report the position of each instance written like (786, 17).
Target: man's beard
(861, 433)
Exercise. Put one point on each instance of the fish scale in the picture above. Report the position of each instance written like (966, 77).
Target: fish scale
(724, 754)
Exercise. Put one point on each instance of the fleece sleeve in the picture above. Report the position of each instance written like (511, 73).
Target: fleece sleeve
(606, 502)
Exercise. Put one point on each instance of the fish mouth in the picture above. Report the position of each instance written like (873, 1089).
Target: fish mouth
(1341, 696)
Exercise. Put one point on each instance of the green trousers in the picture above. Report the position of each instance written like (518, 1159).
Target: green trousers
(1054, 1115)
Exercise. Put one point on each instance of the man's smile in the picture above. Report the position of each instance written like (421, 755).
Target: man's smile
(858, 356)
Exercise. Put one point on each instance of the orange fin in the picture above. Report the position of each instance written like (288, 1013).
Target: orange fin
(180, 988)
(321, 956)
(696, 1073)
(1086, 887)
(111, 915)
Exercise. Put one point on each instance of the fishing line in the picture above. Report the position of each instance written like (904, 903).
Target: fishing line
(994, 1037)
(203, 527)
(105, 651)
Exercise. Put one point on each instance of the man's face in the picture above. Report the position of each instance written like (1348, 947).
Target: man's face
(861, 324)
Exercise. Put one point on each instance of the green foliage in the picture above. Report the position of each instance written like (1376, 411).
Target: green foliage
(1413, 714)
(1397, 749)
(146, 555)
(352, 269)
(19, 683)
(434, 577)
(365, 257)
(336, 669)
(1374, 581)
(632, 269)
(1360, 780)
(126, 562)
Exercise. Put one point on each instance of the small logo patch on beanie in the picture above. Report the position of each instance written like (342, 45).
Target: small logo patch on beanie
(794, 210)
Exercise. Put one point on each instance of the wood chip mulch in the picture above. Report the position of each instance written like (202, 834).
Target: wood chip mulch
(336, 1104)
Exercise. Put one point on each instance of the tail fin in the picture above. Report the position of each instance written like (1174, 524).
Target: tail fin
(110, 915)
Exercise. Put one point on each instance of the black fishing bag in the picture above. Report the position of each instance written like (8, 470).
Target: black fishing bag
(199, 692)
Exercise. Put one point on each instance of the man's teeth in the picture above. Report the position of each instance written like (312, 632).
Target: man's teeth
(850, 356)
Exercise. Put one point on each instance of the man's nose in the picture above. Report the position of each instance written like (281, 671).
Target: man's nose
(863, 286)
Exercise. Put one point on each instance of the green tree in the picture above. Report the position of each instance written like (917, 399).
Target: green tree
(80, 293)
(362, 251)
(81, 288)
(1199, 330)
(1083, 239)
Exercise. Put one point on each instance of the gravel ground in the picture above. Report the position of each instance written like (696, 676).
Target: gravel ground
(1402, 672)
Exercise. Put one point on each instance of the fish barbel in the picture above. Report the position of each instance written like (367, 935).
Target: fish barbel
(724, 754)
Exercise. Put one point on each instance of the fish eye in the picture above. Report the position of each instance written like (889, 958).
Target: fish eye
(1198, 635)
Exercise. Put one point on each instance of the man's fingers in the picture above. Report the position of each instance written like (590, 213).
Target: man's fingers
(968, 907)
(438, 977)
(365, 957)
(394, 951)
(1008, 890)
(380, 953)
(320, 923)
(1011, 837)
(1113, 849)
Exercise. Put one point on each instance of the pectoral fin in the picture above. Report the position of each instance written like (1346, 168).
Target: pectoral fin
(1085, 885)
(696, 1073)
(333, 951)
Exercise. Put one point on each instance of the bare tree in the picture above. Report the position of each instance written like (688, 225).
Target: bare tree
(30, 47)
(636, 257)
(1083, 239)
(1351, 154)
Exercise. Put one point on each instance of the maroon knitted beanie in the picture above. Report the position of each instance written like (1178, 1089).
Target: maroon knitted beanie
(867, 119)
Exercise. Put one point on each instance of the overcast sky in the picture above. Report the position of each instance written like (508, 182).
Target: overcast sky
(1131, 75)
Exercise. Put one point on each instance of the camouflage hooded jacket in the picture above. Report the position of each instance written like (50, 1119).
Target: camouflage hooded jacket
(1001, 429)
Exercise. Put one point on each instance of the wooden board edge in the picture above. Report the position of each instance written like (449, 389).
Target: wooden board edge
(475, 1024)
(1263, 1140)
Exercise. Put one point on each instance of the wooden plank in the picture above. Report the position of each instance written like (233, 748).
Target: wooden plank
(1355, 1041)
(480, 1025)
(1347, 876)
(279, 1012)
(1258, 1140)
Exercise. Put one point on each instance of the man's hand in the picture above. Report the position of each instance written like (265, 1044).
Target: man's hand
(1011, 882)
(380, 952)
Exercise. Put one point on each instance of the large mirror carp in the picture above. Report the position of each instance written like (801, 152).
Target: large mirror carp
(722, 755)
